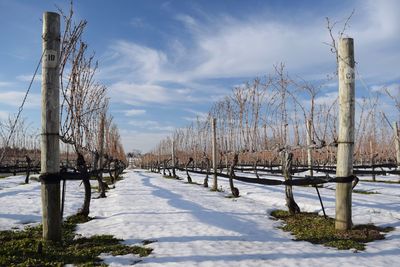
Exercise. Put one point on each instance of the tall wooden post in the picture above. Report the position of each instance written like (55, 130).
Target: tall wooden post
(214, 152)
(309, 148)
(344, 167)
(397, 142)
(102, 185)
(173, 158)
(50, 147)
(101, 142)
(372, 157)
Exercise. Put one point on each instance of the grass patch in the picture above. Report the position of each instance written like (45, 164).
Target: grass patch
(316, 229)
(148, 241)
(107, 179)
(365, 192)
(171, 177)
(26, 247)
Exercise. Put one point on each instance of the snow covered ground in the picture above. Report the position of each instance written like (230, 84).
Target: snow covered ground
(196, 227)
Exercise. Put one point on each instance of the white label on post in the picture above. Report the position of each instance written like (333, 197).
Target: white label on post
(50, 59)
(349, 75)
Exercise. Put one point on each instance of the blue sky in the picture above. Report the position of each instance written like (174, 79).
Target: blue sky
(166, 62)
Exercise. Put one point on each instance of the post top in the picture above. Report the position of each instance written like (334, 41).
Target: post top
(346, 39)
(50, 13)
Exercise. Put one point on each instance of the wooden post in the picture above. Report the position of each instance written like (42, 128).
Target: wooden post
(397, 142)
(372, 157)
(102, 185)
(50, 147)
(214, 152)
(309, 148)
(344, 165)
(173, 158)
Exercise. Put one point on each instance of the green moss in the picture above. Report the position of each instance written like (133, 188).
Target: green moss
(364, 192)
(26, 248)
(107, 179)
(149, 241)
(171, 177)
(323, 230)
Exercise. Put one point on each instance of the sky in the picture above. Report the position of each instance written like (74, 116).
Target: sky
(166, 62)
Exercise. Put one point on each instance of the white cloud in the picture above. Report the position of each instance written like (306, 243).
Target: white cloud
(151, 125)
(327, 99)
(14, 99)
(199, 115)
(376, 28)
(137, 22)
(143, 141)
(134, 112)
(28, 78)
(3, 115)
(6, 84)
(251, 48)
(393, 89)
(140, 62)
(187, 20)
(228, 47)
(135, 93)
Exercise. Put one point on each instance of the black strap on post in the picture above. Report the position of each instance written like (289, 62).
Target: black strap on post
(347, 179)
(50, 178)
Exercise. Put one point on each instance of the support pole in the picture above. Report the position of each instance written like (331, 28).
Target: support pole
(102, 185)
(397, 142)
(214, 152)
(372, 157)
(344, 166)
(50, 147)
(173, 159)
(309, 148)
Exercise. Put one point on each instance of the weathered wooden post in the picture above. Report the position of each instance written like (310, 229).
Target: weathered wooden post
(309, 148)
(50, 147)
(102, 185)
(214, 152)
(397, 142)
(344, 165)
(372, 157)
(173, 158)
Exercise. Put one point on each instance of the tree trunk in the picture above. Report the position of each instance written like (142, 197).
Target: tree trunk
(81, 165)
(234, 190)
(205, 183)
(287, 168)
(187, 172)
(28, 168)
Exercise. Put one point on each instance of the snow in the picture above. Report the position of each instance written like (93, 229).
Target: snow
(196, 227)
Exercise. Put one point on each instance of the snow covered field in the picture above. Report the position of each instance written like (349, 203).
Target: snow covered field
(196, 227)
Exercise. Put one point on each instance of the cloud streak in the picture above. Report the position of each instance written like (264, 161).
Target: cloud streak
(237, 49)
